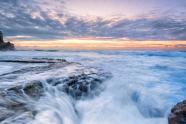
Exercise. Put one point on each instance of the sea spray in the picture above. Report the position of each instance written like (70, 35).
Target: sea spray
(142, 81)
(55, 107)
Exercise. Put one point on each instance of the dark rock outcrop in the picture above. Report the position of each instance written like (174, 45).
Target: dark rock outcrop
(5, 45)
(18, 102)
(35, 60)
(178, 114)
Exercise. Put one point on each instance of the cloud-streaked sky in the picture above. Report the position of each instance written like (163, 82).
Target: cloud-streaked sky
(123, 19)
(126, 8)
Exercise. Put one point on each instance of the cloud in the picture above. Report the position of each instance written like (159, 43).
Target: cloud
(50, 20)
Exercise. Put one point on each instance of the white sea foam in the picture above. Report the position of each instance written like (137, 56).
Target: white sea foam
(144, 87)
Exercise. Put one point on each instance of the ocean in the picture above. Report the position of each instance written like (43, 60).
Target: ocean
(142, 86)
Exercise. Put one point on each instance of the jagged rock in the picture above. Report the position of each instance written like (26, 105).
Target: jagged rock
(178, 114)
(5, 45)
(1, 38)
(77, 86)
(18, 102)
(33, 89)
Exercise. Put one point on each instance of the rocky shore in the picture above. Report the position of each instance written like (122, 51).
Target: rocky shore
(178, 114)
(17, 102)
(5, 45)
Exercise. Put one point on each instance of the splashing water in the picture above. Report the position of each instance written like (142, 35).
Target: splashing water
(55, 108)
(145, 85)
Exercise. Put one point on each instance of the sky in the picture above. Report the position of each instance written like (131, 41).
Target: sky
(90, 20)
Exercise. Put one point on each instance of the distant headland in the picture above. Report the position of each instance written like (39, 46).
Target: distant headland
(5, 45)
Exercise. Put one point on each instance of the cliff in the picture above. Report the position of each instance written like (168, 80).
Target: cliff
(5, 45)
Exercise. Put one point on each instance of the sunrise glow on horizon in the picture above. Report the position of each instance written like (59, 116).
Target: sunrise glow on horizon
(101, 44)
(93, 61)
(95, 24)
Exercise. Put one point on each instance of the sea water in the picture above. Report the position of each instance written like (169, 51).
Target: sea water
(144, 86)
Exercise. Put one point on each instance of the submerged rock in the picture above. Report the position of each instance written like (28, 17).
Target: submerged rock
(22, 97)
(5, 45)
(178, 114)
(147, 109)
(5, 113)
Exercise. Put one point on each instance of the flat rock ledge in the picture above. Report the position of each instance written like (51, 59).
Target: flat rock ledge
(178, 114)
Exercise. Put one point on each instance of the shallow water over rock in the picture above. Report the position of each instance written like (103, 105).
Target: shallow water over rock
(26, 96)
(91, 87)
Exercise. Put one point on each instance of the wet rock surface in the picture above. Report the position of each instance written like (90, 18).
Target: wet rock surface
(5, 45)
(178, 114)
(17, 102)
(36, 60)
